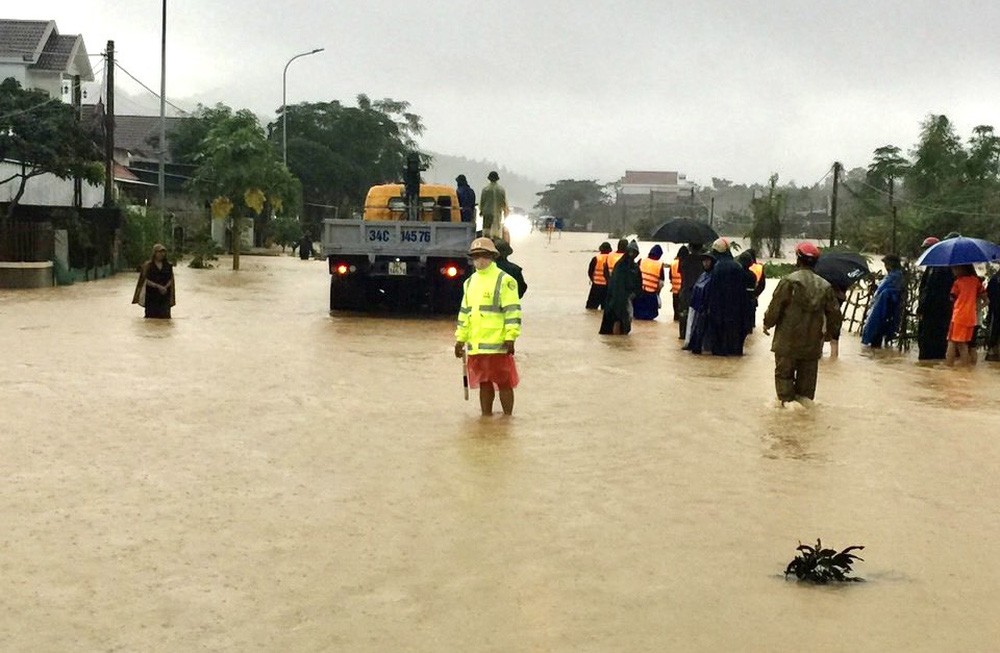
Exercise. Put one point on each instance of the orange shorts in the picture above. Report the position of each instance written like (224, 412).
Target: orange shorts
(495, 369)
(957, 333)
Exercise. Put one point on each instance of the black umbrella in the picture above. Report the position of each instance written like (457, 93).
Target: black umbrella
(684, 230)
(842, 269)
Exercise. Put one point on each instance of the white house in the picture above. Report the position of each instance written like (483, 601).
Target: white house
(644, 182)
(34, 53)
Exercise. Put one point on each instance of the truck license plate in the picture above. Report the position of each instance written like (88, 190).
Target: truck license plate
(397, 268)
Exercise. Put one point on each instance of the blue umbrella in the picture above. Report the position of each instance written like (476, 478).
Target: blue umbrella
(959, 251)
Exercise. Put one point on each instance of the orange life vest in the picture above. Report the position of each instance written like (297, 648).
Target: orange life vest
(612, 261)
(675, 276)
(758, 271)
(599, 279)
(651, 271)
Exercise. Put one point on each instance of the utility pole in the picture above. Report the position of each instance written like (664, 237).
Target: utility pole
(711, 213)
(692, 203)
(833, 203)
(892, 208)
(109, 127)
(894, 229)
(78, 111)
(161, 176)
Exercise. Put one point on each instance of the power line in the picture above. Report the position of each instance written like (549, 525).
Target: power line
(29, 109)
(935, 209)
(823, 178)
(154, 93)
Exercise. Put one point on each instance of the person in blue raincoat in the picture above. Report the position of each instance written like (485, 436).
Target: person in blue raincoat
(883, 318)
(726, 303)
(697, 320)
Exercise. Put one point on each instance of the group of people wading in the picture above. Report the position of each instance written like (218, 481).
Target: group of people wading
(714, 295)
(715, 298)
(949, 311)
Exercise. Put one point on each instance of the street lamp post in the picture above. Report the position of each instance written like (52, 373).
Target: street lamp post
(284, 111)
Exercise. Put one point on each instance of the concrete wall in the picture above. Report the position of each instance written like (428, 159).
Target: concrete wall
(16, 70)
(50, 82)
(219, 233)
(47, 190)
(26, 275)
(646, 189)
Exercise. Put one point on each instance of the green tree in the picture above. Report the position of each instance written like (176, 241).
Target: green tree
(887, 165)
(566, 197)
(188, 136)
(286, 231)
(767, 212)
(339, 152)
(42, 135)
(983, 162)
(938, 159)
(241, 173)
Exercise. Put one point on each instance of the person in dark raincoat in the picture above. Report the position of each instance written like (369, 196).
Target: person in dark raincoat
(624, 284)
(933, 309)
(466, 199)
(647, 303)
(726, 303)
(155, 290)
(755, 286)
(690, 270)
(993, 318)
(598, 279)
(883, 319)
(674, 276)
(694, 340)
(508, 266)
(305, 247)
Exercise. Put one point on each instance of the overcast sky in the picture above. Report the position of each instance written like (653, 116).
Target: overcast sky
(555, 89)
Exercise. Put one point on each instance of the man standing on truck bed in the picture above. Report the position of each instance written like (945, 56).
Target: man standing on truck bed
(493, 207)
(489, 321)
(466, 199)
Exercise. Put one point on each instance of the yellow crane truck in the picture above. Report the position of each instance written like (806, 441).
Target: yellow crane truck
(407, 252)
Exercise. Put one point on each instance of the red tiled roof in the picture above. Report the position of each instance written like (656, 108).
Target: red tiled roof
(122, 173)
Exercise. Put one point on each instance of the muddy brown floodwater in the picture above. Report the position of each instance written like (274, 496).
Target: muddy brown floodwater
(259, 475)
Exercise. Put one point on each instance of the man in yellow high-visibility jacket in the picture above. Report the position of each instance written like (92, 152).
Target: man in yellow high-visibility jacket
(489, 321)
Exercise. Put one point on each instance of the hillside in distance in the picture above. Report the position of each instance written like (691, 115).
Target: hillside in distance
(521, 191)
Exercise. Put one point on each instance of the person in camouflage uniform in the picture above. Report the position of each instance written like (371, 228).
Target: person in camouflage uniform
(803, 313)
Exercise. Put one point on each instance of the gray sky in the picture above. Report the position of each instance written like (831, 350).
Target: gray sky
(555, 89)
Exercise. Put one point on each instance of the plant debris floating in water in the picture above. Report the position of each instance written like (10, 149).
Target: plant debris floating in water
(821, 566)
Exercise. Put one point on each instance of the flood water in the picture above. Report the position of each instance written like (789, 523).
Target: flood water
(259, 475)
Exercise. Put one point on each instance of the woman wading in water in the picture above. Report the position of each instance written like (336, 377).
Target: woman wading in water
(155, 289)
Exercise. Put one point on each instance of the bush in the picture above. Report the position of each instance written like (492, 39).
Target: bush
(286, 231)
(140, 232)
(644, 228)
(203, 250)
(820, 566)
(777, 270)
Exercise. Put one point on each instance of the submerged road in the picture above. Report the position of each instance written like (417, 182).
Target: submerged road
(259, 475)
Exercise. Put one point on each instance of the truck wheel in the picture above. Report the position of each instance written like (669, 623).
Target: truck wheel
(446, 297)
(345, 295)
